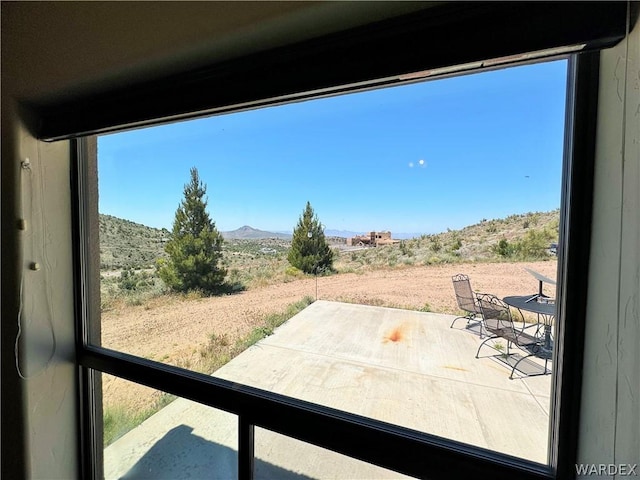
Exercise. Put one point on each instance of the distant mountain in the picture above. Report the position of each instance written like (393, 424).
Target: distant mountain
(249, 233)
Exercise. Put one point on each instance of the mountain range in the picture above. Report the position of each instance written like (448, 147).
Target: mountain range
(249, 233)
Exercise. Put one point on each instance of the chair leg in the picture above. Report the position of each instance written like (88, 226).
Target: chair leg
(470, 317)
(513, 370)
(455, 320)
(485, 341)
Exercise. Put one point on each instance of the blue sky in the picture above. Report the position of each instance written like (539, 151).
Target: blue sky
(418, 158)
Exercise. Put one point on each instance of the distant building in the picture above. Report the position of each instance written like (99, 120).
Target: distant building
(372, 239)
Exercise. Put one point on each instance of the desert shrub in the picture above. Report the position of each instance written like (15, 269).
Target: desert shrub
(349, 270)
(432, 260)
(436, 244)
(405, 249)
(292, 271)
(131, 280)
(390, 258)
(534, 245)
(425, 308)
(504, 249)
(194, 294)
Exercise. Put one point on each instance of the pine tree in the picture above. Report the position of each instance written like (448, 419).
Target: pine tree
(309, 249)
(195, 246)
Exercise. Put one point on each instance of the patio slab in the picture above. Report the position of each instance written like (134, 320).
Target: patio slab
(399, 366)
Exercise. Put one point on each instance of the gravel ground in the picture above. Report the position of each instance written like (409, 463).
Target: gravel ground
(172, 329)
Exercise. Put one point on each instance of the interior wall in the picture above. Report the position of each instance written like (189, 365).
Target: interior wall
(610, 416)
(37, 283)
(39, 388)
(39, 396)
(13, 426)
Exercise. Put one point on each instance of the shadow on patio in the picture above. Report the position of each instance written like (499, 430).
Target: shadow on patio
(181, 454)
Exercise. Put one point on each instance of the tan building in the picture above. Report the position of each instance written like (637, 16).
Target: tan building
(372, 239)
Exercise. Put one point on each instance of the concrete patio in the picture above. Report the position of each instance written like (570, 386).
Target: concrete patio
(399, 366)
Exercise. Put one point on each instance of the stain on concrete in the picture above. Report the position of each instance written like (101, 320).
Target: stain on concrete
(395, 335)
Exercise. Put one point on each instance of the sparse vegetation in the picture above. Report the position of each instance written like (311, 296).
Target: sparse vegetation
(504, 248)
(436, 244)
(219, 350)
(118, 420)
(254, 263)
(487, 241)
(377, 302)
(130, 280)
(126, 245)
(533, 246)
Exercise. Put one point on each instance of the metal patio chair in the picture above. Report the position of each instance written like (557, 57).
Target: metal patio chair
(498, 322)
(467, 301)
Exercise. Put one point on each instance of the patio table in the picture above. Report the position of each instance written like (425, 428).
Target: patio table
(541, 280)
(543, 306)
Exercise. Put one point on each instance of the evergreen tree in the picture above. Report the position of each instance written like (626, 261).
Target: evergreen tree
(309, 249)
(195, 246)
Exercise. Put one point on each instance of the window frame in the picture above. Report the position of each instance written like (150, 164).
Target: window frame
(442, 35)
(388, 446)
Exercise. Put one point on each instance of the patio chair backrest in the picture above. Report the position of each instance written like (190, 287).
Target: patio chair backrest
(496, 314)
(464, 294)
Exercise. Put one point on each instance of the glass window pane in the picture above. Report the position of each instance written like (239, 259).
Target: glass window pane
(278, 457)
(151, 434)
(310, 249)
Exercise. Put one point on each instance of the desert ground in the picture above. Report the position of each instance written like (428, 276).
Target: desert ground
(172, 329)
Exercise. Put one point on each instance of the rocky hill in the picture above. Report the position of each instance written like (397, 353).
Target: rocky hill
(126, 244)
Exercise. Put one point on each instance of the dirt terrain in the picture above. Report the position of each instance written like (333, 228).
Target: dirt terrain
(172, 329)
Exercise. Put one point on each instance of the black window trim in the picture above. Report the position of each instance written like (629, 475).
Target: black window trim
(389, 446)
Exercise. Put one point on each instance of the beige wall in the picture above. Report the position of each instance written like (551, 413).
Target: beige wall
(610, 421)
(40, 196)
